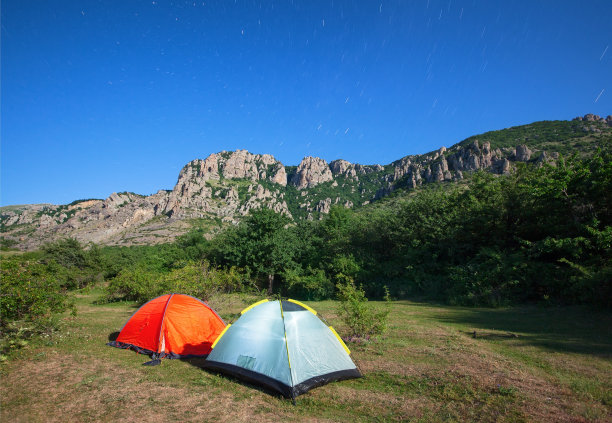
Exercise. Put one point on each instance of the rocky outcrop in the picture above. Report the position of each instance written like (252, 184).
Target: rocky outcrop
(279, 175)
(450, 165)
(323, 206)
(311, 172)
(346, 169)
(476, 156)
(547, 158)
(195, 193)
(228, 185)
(590, 117)
(238, 164)
(523, 153)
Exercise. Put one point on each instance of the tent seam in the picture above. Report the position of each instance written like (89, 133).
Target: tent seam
(287, 346)
(161, 326)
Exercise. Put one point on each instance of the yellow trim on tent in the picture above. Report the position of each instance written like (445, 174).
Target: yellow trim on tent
(303, 305)
(253, 305)
(287, 345)
(219, 337)
(280, 302)
(340, 339)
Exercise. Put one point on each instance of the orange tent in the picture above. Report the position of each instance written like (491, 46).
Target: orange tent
(172, 326)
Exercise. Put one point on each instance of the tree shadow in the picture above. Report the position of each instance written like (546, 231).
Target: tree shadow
(492, 336)
(573, 329)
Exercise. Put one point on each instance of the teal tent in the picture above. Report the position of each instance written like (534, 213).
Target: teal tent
(283, 346)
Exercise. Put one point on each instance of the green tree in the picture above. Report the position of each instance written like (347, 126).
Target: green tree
(66, 252)
(261, 243)
(193, 244)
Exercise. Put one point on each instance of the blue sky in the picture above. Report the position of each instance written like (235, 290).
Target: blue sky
(104, 96)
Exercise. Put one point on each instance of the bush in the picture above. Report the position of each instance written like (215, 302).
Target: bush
(134, 284)
(362, 319)
(202, 281)
(29, 292)
(311, 286)
(66, 252)
(196, 279)
(30, 298)
(72, 265)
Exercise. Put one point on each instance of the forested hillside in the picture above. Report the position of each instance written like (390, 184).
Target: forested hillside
(537, 234)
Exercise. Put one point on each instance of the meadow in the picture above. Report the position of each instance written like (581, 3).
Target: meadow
(434, 363)
(534, 245)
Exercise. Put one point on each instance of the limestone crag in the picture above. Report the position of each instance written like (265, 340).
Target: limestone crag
(346, 169)
(590, 117)
(227, 185)
(198, 190)
(311, 172)
(475, 156)
(522, 153)
(449, 165)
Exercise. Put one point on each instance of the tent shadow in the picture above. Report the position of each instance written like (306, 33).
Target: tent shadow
(200, 362)
(113, 336)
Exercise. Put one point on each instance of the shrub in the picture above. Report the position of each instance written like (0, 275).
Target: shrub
(6, 244)
(202, 281)
(29, 292)
(196, 279)
(312, 286)
(134, 284)
(73, 266)
(30, 298)
(66, 252)
(362, 319)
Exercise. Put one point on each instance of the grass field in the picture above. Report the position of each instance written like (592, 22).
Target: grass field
(435, 363)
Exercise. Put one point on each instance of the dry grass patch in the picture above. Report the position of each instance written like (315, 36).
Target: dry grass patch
(427, 367)
(60, 389)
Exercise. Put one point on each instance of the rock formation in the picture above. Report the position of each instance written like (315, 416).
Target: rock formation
(590, 117)
(311, 172)
(225, 186)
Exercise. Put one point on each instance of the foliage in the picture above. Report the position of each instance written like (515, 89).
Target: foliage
(362, 320)
(6, 244)
(73, 266)
(154, 258)
(30, 297)
(193, 244)
(538, 234)
(311, 284)
(135, 283)
(198, 279)
(66, 252)
(260, 244)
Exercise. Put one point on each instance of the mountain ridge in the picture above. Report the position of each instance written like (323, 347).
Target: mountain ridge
(222, 188)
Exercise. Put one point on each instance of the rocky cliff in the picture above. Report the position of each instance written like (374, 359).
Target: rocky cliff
(220, 189)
